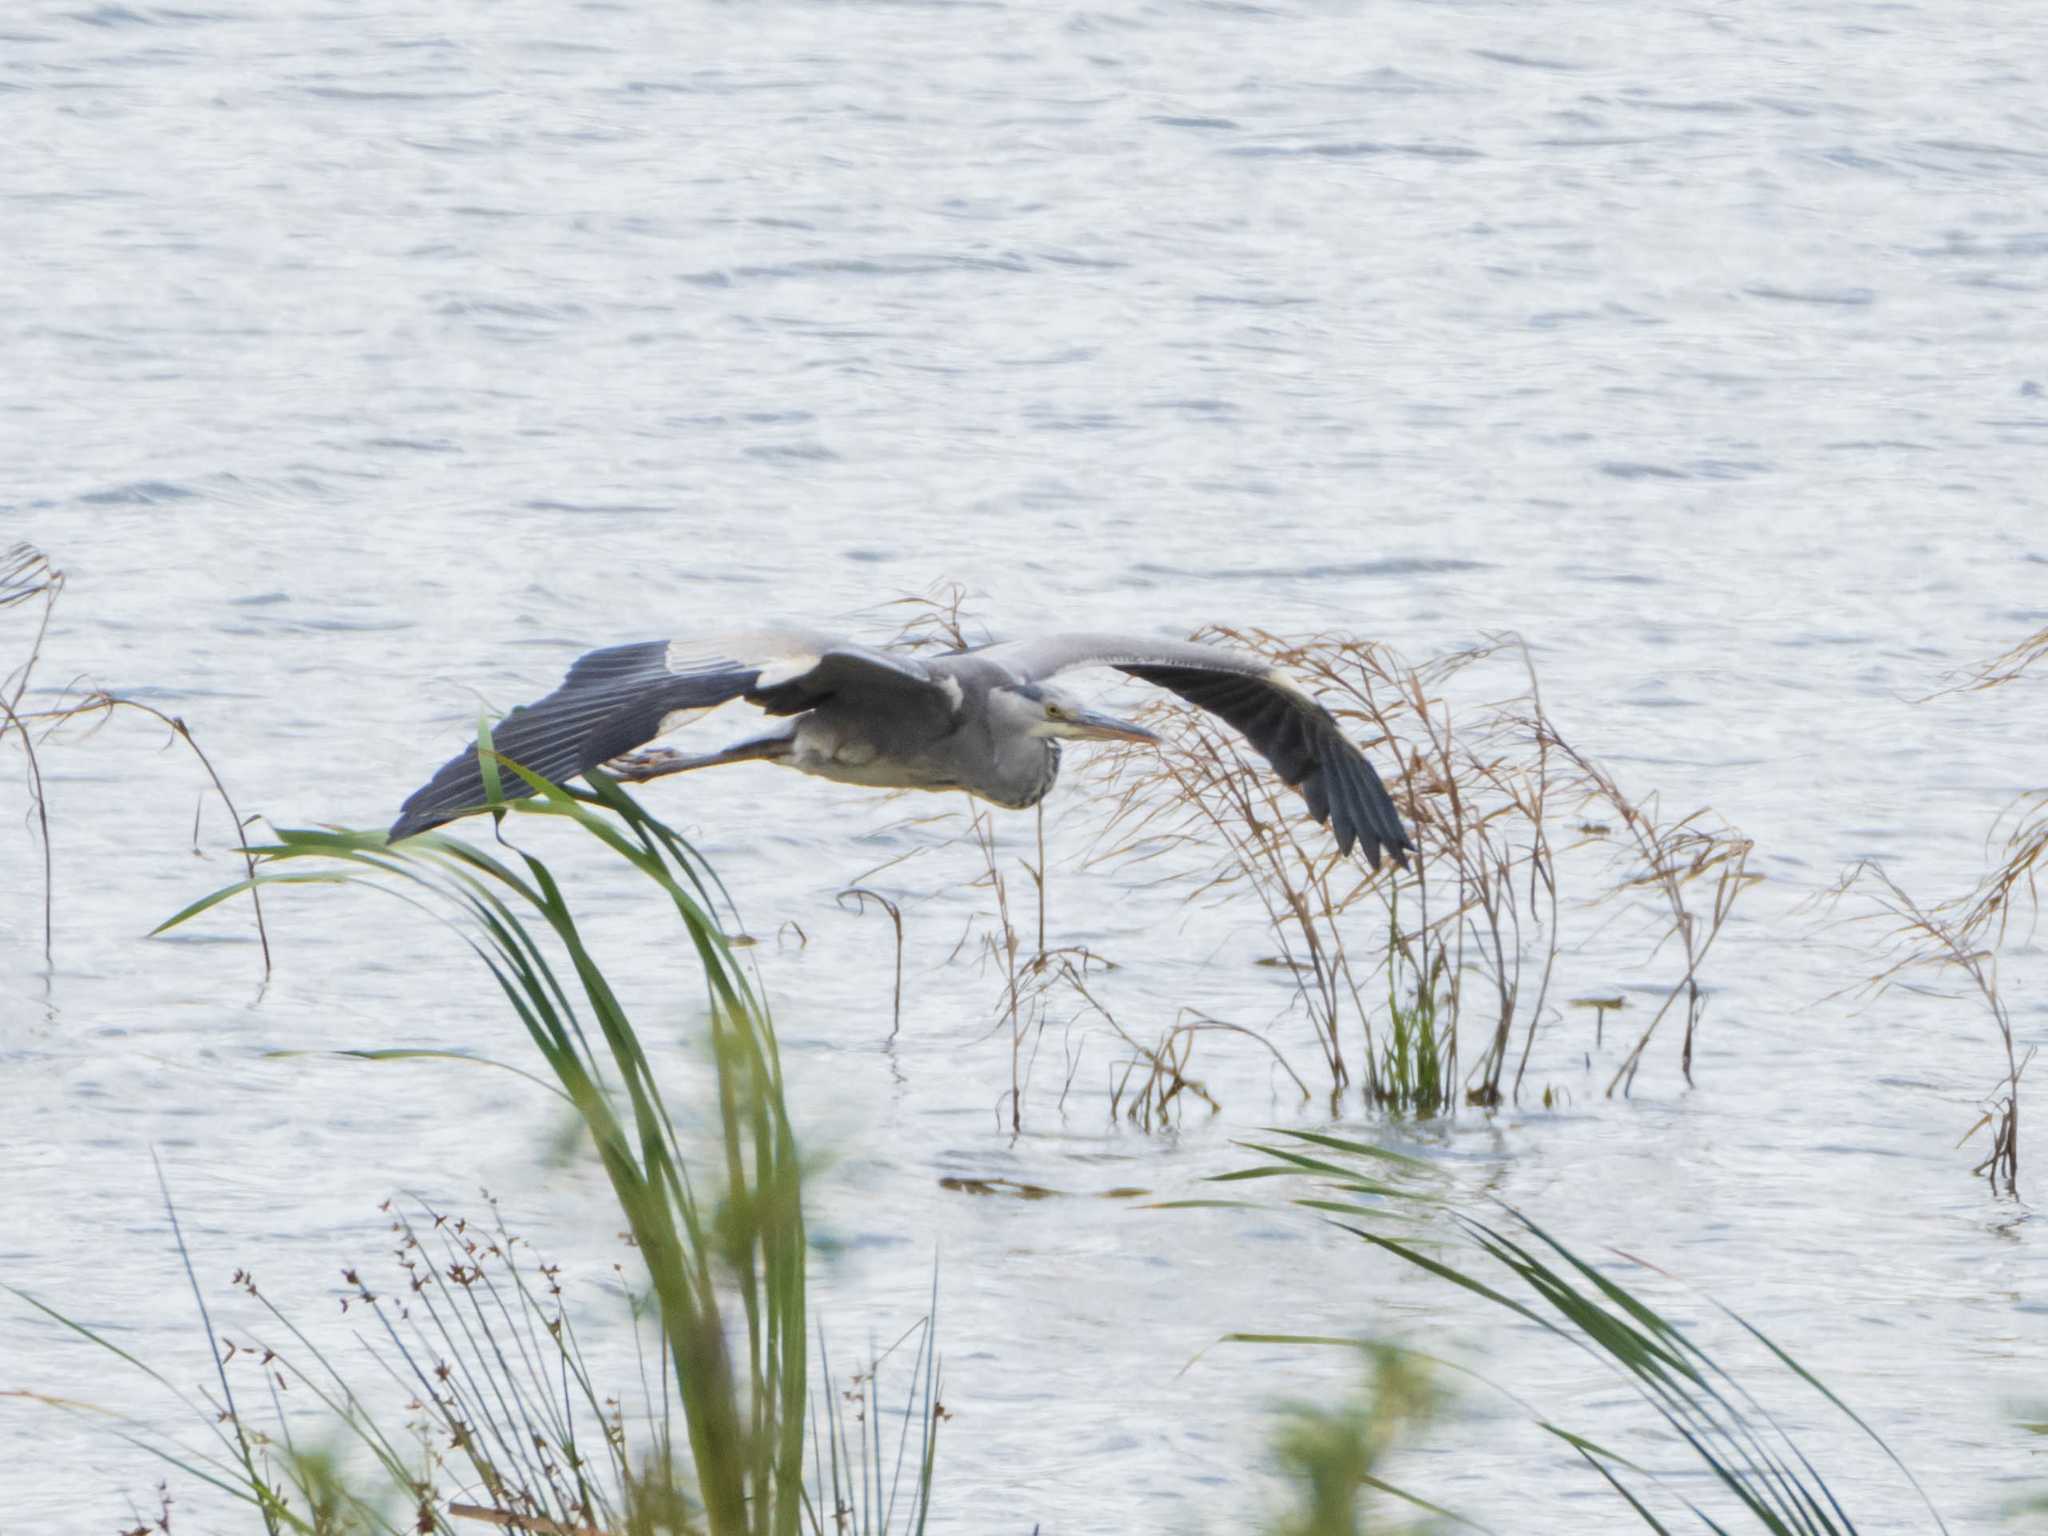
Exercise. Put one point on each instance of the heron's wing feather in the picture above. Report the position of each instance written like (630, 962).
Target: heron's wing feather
(612, 701)
(622, 697)
(1293, 732)
(799, 683)
(1046, 655)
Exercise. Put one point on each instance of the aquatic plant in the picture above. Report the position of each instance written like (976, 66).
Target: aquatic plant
(28, 579)
(1969, 934)
(1471, 935)
(726, 1293)
(1411, 1064)
(1941, 938)
(1745, 1469)
(503, 1403)
(2037, 1502)
(1962, 937)
(1332, 1455)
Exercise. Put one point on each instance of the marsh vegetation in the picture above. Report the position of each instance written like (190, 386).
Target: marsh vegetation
(1418, 995)
(490, 1413)
(1419, 990)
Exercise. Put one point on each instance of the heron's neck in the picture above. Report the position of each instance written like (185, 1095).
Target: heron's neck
(1030, 765)
(1049, 774)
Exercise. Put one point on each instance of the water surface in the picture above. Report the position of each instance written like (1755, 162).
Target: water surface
(360, 365)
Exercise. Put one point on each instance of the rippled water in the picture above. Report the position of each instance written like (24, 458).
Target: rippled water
(357, 363)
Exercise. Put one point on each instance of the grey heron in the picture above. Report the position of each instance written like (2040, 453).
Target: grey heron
(984, 720)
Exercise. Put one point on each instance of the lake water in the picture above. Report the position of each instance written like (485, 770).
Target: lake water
(360, 362)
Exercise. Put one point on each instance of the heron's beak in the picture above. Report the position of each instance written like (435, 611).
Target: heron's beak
(1090, 726)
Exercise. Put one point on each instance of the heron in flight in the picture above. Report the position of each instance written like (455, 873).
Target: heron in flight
(985, 720)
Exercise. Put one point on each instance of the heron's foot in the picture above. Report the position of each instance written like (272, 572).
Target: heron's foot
(649, 763)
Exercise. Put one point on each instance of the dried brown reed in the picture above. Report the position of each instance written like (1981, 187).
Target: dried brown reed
(1155, 1077)
(1671, 859)
(2015, 880)
(936, 619)
(26, 576)
(861, 896)
(1150, 1086)
(1941, 939)
(1472, 929)
(1030, 981)
(1964, 935)
(2006, 667)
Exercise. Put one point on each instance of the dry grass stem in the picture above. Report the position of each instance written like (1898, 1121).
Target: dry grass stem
(1939, 939)
(861, 897)
(934, 620)
(27, 577)
(2001, 669)
(1030, 982)
(1670, 859)
(2015, 879)
(1964, 935)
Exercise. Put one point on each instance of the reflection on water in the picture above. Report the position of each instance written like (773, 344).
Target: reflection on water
(366, 366)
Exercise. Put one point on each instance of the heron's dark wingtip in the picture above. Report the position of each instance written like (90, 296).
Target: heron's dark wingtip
(455, 791)
(411, 826)
(1392, 843)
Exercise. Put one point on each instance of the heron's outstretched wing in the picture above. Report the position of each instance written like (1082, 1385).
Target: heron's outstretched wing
(620, 698)
(1291, 730)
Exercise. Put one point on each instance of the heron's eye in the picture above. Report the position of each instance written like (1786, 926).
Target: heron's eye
(1054, 712)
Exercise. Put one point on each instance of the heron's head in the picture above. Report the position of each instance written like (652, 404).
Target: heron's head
(1046, 711)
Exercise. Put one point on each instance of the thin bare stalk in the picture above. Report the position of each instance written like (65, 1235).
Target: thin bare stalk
(27, 576)
(106, 704)
(862, 896)
(1938, 939)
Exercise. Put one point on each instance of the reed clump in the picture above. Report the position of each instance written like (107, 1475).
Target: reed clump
(1466, 942)
(1962, 938)
(1948, 939)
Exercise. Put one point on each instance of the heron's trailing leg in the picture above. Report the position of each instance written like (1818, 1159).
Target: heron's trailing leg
(659, 762)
